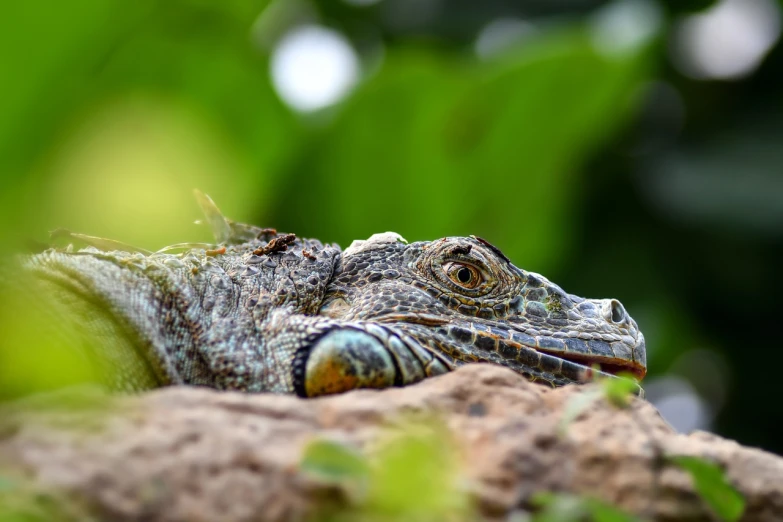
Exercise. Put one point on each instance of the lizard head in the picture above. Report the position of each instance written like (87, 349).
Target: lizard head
(459, 299)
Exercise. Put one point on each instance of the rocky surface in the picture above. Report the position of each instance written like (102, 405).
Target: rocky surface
(196, 454)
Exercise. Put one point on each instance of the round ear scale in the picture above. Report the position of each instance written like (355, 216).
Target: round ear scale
(342, 360)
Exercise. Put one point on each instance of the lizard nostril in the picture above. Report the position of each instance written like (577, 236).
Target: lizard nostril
(618, 312)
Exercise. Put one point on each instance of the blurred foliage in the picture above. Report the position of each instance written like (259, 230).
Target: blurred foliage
(22, 501)
(171, 99)
(711, 483)
(411, 474)
(175, 104)
(616, 392)
(337, 464)
(414, 474)
(609, 172)
(570, 508)
(476, 147)
(39, 351)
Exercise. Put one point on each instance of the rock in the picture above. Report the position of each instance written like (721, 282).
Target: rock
(196, 454)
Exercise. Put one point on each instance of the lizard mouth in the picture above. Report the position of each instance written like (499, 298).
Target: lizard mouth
(608, 365)
(581, 364)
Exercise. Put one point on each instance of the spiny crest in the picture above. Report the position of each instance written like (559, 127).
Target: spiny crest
(373, 242)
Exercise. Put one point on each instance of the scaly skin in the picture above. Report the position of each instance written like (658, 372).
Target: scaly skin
(268, 312)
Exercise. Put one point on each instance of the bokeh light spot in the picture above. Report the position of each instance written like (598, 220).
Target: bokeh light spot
(727, 41)
(625, 25)
(679, 403)
(313, 67)
(501, 34)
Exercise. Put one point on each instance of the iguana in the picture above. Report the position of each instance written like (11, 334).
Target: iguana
(262, 311)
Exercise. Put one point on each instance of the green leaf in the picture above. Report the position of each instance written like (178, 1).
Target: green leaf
(412, 474)
(711, 483)
(602, 512)
(618, 391)
(334, 461)
(557, 507)
(416, 475)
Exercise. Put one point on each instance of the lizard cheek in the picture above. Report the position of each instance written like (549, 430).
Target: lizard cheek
(347, 359)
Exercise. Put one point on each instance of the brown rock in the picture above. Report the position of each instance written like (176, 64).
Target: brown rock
(197, 454)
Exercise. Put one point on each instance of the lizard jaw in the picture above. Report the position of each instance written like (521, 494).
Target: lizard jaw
(607, 365)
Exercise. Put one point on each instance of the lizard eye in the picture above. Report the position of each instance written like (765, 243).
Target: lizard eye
(463, 274)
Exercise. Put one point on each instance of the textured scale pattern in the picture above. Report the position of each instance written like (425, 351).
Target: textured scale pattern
(261, 311)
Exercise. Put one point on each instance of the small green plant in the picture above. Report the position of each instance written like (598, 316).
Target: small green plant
(616, 391)
(412, 474)
(708, 478)
(558, 507)
(713, 487)
(22, 501)
(339, 464)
